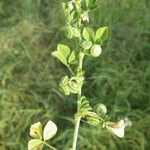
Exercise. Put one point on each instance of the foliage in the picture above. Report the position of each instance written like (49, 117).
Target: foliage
(29, 76)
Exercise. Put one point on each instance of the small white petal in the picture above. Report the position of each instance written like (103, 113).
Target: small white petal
(50, 130)
(117, 128)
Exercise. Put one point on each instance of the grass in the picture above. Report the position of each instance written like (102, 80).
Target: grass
(29, 76)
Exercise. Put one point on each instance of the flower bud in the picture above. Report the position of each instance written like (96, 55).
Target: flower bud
(36, 130)
(96, 50)
(85, 17)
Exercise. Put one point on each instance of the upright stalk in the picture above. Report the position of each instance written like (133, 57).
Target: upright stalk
(77, 120)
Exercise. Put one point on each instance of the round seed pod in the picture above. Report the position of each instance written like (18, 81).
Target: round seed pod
(69, 32)
(76, 32)
(64, 85)
(96, 50)
(87, 45)
(65, 89)
(94, 121)
(73, 87)
(100, 109)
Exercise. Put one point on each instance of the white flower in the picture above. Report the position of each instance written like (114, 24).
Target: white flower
(116, 128)
(36, 130)
(50, 130)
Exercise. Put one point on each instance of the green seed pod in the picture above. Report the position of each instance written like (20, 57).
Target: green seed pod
(65, 89)
(94, 121)
(73, 87)
(76, 32)
(96, 50)
(87, 45)
(69, 32)
(64, 85)
(100, 109)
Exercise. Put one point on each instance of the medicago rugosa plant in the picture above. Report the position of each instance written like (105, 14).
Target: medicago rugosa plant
(87, 42)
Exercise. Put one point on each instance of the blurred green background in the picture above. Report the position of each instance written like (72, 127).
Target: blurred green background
(120, 78)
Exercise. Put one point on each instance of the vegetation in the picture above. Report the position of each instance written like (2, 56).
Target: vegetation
(29, 76)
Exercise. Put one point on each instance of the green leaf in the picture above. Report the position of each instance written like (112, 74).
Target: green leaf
(72, 57)
(91, 4)
(101, 35)
(35, 144)
(88, 34)
(62, 53)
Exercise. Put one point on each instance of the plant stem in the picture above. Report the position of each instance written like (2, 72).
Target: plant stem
(77, 121)
(70, 70)
(77, 125)
(50, 146)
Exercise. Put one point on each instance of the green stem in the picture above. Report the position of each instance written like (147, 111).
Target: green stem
(81, 57)
(50, 146)
(69, 68)
(77, 120)
(75, 137)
